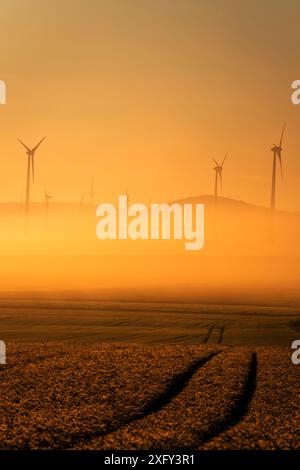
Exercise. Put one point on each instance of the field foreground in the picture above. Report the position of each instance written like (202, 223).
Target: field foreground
(173, 397)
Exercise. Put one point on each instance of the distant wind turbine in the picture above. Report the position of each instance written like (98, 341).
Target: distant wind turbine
(30, 167)
(218, 176)
(47, 198)
(276, 149)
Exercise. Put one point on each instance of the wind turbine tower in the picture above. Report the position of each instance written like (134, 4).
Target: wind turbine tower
(47, 199)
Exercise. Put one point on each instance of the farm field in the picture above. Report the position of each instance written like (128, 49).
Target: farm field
(91, 321)
(57, 395)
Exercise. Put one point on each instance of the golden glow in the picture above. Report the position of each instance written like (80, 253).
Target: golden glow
(140, 95)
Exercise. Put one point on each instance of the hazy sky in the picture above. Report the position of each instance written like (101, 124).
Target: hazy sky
(142, 93)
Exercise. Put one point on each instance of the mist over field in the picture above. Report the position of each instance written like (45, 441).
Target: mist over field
(249, 255)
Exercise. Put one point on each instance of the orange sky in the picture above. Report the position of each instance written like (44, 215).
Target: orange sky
(142, 93)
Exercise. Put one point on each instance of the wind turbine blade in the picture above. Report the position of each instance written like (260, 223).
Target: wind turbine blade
(32, 163)
(34, 149)
(283, 129)
(24, 145)
(224, 159)
(215, 161)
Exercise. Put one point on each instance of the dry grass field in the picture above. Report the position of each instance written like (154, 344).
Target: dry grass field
(130, 396)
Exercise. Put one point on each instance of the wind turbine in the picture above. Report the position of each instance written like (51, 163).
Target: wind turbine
(47, 199)
(218, 176)
(30, 167)
(276, 149)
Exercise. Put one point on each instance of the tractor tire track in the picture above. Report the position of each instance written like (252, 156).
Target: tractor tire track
(207, 336)
(203, 405)
(271, 420)
(221, 337)
(174, 388)
(241, 406)
(112, 387)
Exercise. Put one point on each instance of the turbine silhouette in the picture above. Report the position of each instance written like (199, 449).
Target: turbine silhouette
(47, 198)
(218, 176)
(276, 149)
(30, 167)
